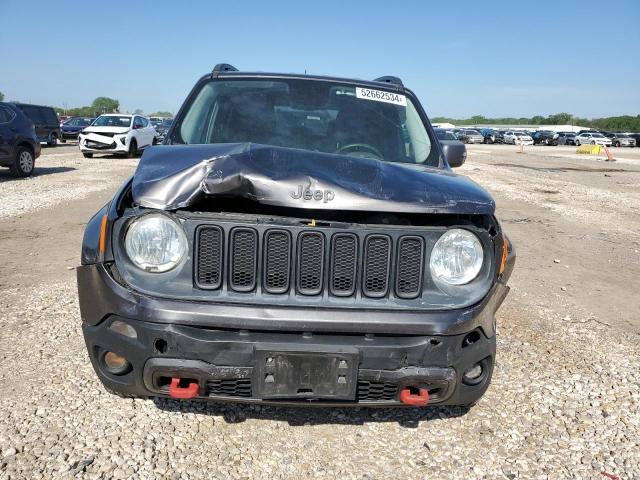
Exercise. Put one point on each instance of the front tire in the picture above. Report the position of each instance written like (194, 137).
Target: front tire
(133, 149)
(24, 163)
(617, 144)
(52, 141)
(577, 143)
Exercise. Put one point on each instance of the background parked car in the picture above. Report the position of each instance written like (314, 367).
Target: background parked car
(72, 127)
(621, 140)
(19, 145)
(116, 133)
(162, 128)
(545, 137)
(45, 120)
(471, 136)
(518, 138)
(566, 138)
(491, 136)
(592, 138)
(636, 137)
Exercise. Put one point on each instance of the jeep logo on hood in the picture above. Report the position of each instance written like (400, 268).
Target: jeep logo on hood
(310, 194)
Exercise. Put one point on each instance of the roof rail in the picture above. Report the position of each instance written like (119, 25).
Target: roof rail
(392, 80)
(222, 67)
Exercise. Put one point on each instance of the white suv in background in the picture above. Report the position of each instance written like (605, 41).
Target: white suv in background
(592, 139)
(118, 134)
(518, 138)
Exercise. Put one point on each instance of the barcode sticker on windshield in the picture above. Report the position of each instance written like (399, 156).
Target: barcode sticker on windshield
(381, 96)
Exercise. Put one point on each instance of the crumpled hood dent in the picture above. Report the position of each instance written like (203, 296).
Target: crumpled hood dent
(177, 176)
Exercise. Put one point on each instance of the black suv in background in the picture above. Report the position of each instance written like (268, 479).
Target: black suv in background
(45, 120)
(19, 146)
(545, 137)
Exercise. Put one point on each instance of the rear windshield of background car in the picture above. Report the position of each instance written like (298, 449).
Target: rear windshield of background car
(313, 115)
(112, 121)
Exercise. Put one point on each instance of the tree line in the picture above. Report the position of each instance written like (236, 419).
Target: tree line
(623, 123)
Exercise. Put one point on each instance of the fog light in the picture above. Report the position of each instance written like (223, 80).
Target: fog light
(123, 140)
(123, 329)
(473, 374)
(116, 364)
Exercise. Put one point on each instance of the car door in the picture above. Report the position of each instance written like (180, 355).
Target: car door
(137, 131)
(6, 134)
(149, 131)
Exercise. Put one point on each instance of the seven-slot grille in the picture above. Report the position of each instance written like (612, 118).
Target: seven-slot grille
(308, 262)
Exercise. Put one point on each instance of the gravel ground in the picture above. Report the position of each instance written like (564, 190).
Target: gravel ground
(59, 177)
(564, 402)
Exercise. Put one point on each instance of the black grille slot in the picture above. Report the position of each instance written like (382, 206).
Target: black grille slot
(376, 266)
(376, 390)
(343, 265)
(310, 263)
(277, 254)
(244, 243)
(409, 270)
(210, 250)
(230, 387)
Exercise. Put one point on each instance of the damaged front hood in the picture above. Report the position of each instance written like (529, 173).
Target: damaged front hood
(170, 177)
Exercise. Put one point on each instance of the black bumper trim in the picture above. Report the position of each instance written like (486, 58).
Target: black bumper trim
(214, 356)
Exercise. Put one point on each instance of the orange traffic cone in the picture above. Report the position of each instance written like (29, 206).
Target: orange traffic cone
(609, 154)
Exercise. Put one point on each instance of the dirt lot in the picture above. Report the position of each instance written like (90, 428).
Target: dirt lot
(564, 403)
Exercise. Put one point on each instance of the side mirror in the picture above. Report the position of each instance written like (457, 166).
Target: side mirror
(455, 153)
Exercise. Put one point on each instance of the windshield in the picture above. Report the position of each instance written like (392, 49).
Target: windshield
(111, 121)
(597, 135)
(472, 132)
(314, 115)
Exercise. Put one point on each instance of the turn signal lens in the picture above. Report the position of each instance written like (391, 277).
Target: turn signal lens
(505, 248)
(103, 233)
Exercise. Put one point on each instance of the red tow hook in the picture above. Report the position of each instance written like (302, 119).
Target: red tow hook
(419, 400)
(190, 391)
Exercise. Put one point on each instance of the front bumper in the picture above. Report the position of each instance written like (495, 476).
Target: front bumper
(217, 345)
(103, 146)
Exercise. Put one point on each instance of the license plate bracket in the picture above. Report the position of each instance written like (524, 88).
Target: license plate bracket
(305, 373)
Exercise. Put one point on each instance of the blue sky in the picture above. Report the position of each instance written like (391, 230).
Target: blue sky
(461, 57)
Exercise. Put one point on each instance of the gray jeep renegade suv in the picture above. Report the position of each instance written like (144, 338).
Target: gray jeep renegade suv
(296, 240)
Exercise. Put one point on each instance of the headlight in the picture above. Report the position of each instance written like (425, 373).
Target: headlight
(155, 243)
(456, 258)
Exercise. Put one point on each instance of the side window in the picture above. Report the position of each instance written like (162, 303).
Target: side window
(137, 122)
(49, 116)
(34, 114)
(6, 115)
(145, 122)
